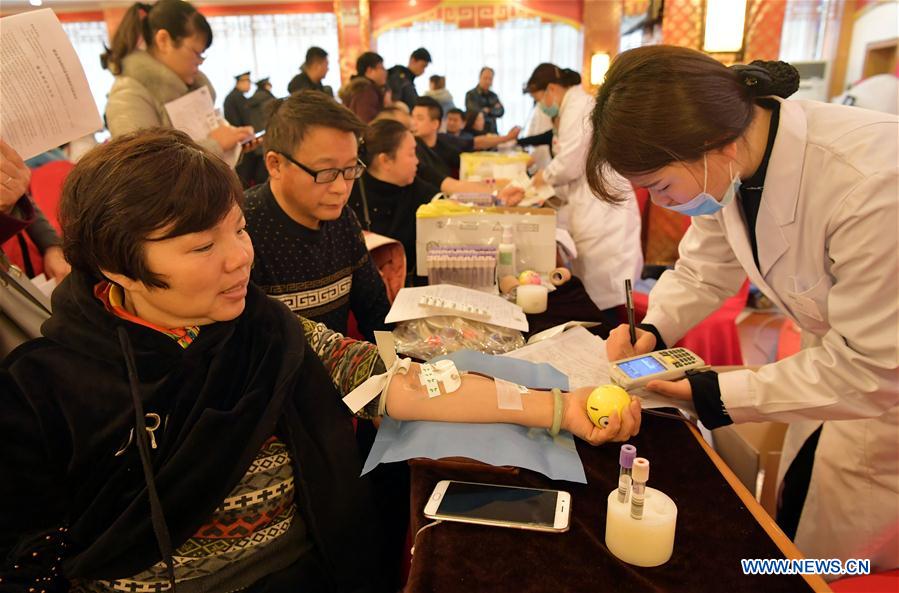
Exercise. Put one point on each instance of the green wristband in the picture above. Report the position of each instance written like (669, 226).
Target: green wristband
(557, 412)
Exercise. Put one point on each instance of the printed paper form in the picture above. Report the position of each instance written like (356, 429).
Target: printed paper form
(45, 100)
(533, 195)
(194, 113)
(576, 352)
(582, 357)
(501, 312)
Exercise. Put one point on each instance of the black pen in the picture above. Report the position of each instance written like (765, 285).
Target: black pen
(629, 303)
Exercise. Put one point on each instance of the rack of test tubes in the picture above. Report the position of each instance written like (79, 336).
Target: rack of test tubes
(471, 266)
(474, 199)
(640, 521)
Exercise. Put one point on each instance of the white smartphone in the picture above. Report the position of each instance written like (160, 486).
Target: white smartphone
(255, 136)
(501, 506)
(666, 365)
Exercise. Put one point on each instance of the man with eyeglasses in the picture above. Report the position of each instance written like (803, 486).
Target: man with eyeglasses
(310, 253)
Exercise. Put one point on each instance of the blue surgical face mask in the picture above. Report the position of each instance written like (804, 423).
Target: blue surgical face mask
(549, 110)
(704, 202)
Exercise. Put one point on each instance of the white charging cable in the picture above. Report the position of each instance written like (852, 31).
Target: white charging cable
(415, 539)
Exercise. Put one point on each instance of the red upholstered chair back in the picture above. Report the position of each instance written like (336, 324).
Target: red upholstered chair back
(12, 249)
(46, 190)
(390, 259)
(642, 198)
(661, 230)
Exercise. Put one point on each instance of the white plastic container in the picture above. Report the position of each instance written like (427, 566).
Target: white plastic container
(645, 542)
(532, 298)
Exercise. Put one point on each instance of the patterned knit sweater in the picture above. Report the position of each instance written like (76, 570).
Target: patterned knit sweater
(321, 274)
(256, 528)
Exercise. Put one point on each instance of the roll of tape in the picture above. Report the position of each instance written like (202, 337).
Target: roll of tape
(560, 276)
(507, 283)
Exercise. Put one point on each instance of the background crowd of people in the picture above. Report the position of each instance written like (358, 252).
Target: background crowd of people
(189, 381)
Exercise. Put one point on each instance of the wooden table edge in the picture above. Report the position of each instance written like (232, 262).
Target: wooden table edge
(816, 582)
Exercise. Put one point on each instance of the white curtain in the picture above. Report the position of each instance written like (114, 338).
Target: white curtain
(268, 45)
(808, 30)
(512, 48)
(88, 39)
(632, 40)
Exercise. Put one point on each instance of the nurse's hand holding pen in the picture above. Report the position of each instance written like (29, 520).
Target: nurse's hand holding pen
(619, 346)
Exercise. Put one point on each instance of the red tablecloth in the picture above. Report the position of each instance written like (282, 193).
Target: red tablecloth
(714, 530)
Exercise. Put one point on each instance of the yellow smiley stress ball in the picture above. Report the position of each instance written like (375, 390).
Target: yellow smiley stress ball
(603, 400)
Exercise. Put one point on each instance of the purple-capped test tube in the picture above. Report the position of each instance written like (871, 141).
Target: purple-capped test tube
(625, 463)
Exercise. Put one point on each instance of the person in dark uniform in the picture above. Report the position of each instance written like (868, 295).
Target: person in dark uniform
(259, 104)
(237, 108)
(238, 113)
(483, 100)
(401, 79)
(312, 72)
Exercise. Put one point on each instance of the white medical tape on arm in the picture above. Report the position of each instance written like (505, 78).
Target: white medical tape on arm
(377, 384)
(508, 395)
(445, 372)
(374, 386)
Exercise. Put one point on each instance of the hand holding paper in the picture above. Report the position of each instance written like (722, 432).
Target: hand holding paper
(45, 100)
(535, 192)
(228, 136)
(14, 177)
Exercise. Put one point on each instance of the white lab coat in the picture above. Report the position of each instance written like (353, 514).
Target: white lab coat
(539, 123)
(607, 237)
(827, 239)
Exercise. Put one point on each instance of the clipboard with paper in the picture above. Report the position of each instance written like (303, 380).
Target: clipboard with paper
(195, 115)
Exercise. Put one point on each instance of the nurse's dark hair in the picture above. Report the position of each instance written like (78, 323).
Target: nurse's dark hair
(150, 185)
(661, 104)
(471, 117)
(383, 136)
(547, 73)
(142, 21)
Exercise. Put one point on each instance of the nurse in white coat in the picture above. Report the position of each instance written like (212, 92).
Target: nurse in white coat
(803, 197)
(607, 236)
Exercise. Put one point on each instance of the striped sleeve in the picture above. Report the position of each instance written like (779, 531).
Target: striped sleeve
(349, 362)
